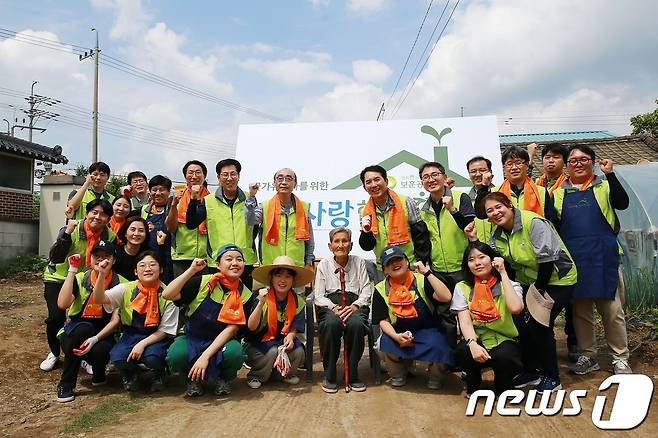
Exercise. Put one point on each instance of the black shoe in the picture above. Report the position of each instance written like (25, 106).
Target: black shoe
(358, 386)
(222, 387)
(157, 384)
(130, 383)
(98, 379)
(194, 389)
(329, 387)
(65, 394)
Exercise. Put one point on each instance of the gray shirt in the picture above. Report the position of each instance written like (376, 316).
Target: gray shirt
(327, 281)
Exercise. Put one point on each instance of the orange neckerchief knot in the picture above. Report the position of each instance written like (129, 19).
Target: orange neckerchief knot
(272, 320)
(586, 183)
(146, 301)
(116, 223)
(274, 219)
(531, 200)
(400, 299)
(183, 204)
(398, 229)
(232, 311)
(93, 310)
(483, 307)
(92, 238)
(543, 182)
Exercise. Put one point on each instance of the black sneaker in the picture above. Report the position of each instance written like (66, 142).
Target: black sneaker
(98, 379)
(358, 386)
(130, 383)
(222, 387)
(329, 387)
(65, 394)
(157, 384)
(194, 389)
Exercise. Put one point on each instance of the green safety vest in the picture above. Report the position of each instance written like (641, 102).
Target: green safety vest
(188, 244)
(228, 225)
(517, 249)
(84, 290)
(90, 195)
(381, 238)
(493, 333)
(383, 287)
(56, 272)
(288, 245)
(126, 313)
(218, 295)
(484, 229)
(448, 240)
(280, 315)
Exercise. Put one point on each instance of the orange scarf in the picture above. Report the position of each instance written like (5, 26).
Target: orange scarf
(531, 200)
(274, 218)
(586, 184)
(543, 181)
(92, 238)
(272, 320)
(400, 299)
(483, 307)
(115, 224)
(93, 310)
(146, 301)
(232, 311)
(182, 208)
(398, 229)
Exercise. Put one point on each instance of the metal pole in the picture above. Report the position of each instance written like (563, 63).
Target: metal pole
(94, 150)
(31, 115)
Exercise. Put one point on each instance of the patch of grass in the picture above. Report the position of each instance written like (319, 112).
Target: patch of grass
(105, 413)
(26, 263)
(641, 290)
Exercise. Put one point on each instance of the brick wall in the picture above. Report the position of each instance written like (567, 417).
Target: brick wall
(15, 206)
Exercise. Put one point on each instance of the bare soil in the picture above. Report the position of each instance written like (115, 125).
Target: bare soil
(28, 406)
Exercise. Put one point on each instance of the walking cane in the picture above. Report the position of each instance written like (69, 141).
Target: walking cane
(343, 303)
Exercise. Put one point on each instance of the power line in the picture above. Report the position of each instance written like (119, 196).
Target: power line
(404, 67)
(426, 60)
(124, 67)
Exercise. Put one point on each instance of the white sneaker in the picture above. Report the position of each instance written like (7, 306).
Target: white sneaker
(87, 367)
(621, 366)
(49, 362)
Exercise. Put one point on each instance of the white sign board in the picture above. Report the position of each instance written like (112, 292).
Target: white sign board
(328, 158)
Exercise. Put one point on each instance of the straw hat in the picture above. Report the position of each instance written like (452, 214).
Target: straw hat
(262, 273)
(539, 305)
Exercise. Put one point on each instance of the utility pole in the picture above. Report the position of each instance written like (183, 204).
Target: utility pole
(94, 142)
(382, 110)
(462, 108)
(31, 113)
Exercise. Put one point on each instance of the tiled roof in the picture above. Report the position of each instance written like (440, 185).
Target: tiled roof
(24, 148)
(621, 150)
(552, 136)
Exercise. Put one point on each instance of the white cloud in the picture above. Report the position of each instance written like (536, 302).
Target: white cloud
(165, 114)
(319, 4)
(366, 7)
(370, 71)
(130, 18)
(350, 101)
(294, 72)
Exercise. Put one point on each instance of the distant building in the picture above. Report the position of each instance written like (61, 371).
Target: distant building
(18, 230)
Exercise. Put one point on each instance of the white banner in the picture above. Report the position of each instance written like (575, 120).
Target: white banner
(328, 158)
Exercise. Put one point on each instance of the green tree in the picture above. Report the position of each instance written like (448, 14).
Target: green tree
(115, 183)
(646, 123)
(81, 170)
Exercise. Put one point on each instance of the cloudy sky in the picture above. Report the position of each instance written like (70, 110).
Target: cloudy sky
(540, 66)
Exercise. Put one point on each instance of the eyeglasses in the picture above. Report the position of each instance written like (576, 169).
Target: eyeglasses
(518, 163)
(281, 178)
(194, 172)
(476, 171)
(227, 175)
(433, 175)
(576, 161)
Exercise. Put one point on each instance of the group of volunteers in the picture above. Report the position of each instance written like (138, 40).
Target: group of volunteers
(186, 282)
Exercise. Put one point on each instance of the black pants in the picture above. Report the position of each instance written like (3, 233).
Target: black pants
(56, 317)
(505, 362)
(538, 341)
(154, 363)
(331, 332)
(569, 329)
(98, 356)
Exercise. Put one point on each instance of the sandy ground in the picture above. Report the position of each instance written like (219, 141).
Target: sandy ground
(29, 408)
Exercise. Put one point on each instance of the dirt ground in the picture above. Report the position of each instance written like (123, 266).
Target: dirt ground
(29, 408)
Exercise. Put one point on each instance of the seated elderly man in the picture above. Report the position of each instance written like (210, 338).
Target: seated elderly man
(340, 317)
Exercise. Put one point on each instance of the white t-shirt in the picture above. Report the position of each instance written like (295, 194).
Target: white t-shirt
(459, 302)
(168, 320)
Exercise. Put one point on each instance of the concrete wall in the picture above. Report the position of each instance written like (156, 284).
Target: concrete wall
(17, 238)
(55, 191)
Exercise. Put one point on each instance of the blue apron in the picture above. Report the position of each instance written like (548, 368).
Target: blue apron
(201, 329)
(158, 221)
(133, 334)
(430, 343)
(592, 244)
